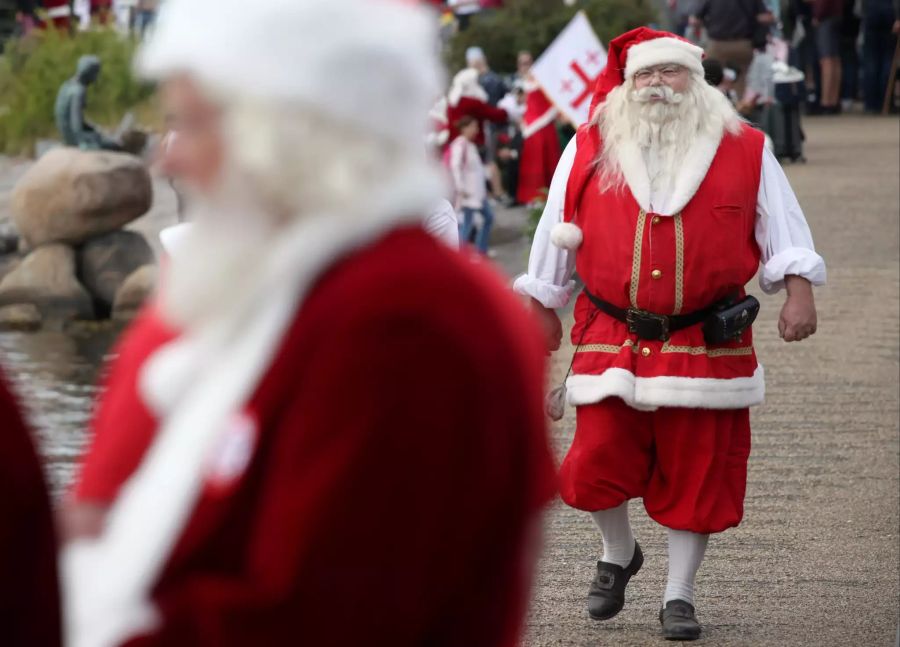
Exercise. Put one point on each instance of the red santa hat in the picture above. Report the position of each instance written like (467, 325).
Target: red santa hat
(632, 51)
(639, 48)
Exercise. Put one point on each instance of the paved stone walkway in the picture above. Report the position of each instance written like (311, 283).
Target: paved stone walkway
(816, 560)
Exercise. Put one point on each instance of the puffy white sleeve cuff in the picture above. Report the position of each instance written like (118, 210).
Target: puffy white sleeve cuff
(782, 233)
(550, 269)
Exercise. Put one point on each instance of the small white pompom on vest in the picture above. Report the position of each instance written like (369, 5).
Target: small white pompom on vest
(566, 235)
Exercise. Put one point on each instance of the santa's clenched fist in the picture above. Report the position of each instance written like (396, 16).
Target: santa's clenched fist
(550, 323)
(798, 318)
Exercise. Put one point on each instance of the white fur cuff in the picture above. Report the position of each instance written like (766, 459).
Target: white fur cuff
(664, 50)
(566, 235)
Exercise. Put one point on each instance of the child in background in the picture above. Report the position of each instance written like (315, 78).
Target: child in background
(469, 180)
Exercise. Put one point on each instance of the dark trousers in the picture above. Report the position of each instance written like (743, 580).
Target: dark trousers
(878, 52)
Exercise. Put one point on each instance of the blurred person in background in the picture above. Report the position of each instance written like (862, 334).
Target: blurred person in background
(491, 81)
(540, 147)
(880, 27)
(350, 412)
(26, 19)
(29, 595)
(496, 89)
(509, 142)
(469, 181)
(467, 98)
(734, 27)
(826, 20)
(146, 16)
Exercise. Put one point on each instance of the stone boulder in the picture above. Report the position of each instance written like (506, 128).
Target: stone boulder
(23, 317)
(136, 289)
(71, 195)
(106, 261)
(46, 279)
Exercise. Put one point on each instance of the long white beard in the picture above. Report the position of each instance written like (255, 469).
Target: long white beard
(664, 130)
(214, 264)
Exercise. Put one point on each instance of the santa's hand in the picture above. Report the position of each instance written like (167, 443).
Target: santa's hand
(798, 318)
(550, 323)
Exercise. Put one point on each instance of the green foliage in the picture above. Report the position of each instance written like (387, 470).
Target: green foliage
(533, 24)
(534, 212)
(32, 70)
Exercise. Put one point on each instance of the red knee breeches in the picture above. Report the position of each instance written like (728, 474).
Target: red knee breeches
(689, 465)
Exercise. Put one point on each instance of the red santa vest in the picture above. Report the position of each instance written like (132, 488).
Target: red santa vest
(668, 265)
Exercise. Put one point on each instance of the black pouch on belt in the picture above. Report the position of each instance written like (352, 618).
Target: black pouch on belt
(730, 321)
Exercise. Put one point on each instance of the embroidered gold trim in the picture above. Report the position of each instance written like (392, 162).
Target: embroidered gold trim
(636, 258)
(605, 348)
(679, 264)
(703, 350)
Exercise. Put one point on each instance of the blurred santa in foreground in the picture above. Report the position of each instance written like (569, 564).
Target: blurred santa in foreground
(350, 446)
(29, 595)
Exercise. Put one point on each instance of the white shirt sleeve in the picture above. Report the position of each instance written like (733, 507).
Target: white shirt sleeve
(456, 165)
(782, 233)
(442, 224)
(550, 269)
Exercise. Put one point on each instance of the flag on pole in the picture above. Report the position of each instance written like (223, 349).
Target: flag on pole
(567, 70)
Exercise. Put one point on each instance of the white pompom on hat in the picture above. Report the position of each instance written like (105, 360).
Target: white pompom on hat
(566, 235)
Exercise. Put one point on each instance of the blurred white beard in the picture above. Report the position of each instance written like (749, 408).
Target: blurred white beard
(214, 265)
(286, 168)
(663, 124)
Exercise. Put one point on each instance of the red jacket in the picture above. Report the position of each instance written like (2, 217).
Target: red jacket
(29, 597)
(400, 463)
(122, 426)
(480, 110)
(666, 265)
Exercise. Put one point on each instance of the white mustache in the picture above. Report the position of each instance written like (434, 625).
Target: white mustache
(664, 92)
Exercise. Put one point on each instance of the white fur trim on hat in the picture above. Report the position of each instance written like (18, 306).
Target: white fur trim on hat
(566, 235)
(664, 50)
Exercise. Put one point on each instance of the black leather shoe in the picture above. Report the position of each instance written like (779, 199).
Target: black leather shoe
(678, 621)
(606, 596)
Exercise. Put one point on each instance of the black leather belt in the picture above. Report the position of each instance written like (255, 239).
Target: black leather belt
(650, 326)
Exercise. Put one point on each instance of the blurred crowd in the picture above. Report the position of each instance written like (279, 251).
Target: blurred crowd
(133, 16)
(843, 47)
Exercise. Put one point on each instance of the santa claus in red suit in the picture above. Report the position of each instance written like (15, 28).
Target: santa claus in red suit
(347, 430)
(467, 98)
(59, 13)
(666, 203)
(540, 148)
(29, 597)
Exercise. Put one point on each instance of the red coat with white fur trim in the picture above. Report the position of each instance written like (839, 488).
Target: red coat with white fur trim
(667, 265)
(398, 462)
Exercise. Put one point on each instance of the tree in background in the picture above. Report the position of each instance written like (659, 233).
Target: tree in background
(533, 24)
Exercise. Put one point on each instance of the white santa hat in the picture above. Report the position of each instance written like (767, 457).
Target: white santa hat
(474, 54)
(465, 84)
(379, 71)
(662, 50)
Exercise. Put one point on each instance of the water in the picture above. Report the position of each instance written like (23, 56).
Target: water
(55, 375)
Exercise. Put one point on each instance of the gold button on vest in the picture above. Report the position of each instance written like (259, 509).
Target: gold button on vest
(656, 274)
(645, 352)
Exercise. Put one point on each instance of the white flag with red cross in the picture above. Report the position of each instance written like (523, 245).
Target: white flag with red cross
(567, 70)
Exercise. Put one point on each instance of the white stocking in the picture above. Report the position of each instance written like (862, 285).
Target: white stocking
(686, 551)
(618, 541)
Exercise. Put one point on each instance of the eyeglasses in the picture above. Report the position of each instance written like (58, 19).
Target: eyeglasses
(664, 71)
